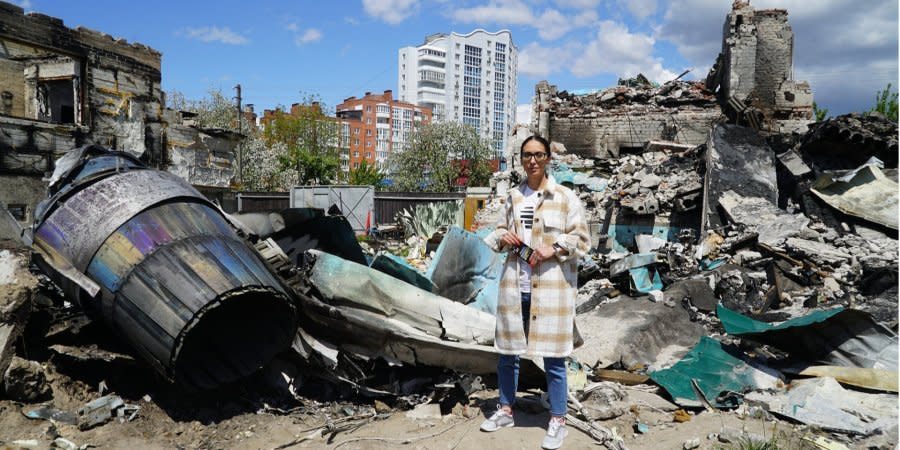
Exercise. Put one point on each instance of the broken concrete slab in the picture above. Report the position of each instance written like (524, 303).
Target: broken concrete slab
(738, 159)
(635, 333)
(759, 215)
(794, 164)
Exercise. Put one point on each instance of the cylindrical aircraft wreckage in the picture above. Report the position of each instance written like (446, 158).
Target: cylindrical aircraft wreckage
(149, 255)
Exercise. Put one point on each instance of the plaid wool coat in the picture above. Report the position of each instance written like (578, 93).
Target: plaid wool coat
(559, 218)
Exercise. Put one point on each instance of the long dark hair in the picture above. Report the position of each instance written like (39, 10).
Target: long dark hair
(535, 137)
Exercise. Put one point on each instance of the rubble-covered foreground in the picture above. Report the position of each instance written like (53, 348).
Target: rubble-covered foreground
(740, 291)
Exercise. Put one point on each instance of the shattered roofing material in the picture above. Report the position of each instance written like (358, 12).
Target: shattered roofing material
(715, 372)
(867, 194)
(840, 337)
(824, 403)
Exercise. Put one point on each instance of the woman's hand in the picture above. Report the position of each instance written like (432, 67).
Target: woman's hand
(511, 239)
(541, 254)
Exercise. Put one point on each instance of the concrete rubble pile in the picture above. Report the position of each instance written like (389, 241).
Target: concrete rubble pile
(804, 236)
(761, 295)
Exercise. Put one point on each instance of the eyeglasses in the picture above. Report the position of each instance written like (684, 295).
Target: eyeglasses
(537, 156)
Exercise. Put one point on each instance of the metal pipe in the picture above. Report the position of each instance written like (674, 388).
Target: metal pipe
(175, 280)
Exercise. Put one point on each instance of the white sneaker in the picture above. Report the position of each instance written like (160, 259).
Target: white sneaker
(500, 419)
(556, 432)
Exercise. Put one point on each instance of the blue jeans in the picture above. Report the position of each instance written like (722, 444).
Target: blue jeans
(555, 369)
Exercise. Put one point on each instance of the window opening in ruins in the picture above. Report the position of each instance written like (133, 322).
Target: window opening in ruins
(56, 101)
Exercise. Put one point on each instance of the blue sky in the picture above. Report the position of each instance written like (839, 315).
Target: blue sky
(279, 49)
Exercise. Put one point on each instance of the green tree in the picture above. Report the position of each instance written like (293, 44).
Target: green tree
(215, 110)
(820, 114)
(311, 139)
(439, 154)
(886, 103)
(365, 175)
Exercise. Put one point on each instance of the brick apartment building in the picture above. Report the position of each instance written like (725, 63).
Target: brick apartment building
(379, 125)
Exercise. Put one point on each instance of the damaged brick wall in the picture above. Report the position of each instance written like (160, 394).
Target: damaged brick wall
(62, 88)
(624, 118)
(753, 73)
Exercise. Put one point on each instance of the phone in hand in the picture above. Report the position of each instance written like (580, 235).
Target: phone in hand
(524, 252)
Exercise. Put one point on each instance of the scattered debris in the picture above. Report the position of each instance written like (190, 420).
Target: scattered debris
(104, 409)
(25, 381)
(824, 403)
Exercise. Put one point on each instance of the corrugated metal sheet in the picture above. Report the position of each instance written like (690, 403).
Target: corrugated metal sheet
(389, 204)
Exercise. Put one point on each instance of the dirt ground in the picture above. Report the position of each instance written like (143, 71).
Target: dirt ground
(237, 423)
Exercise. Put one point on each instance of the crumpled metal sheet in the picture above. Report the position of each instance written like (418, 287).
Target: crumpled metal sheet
(824, 403)
(398, 268)
(865, 193)
(464, 269)
(632, 262)
(344, 282)
(714, 372)
(369, 313)
(644, 280)
(839, 337)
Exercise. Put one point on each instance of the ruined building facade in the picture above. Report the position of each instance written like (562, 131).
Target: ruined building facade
(751, 84)
(753, 75)
(624, 118)
(62, 88)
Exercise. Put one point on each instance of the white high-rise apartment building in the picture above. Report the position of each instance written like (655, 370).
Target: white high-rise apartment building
(468, 78)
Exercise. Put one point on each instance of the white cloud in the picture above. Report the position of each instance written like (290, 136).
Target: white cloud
(511, 12)
(351, 20)
(292, 27)
(523, 114)
(391, 11)
(550, 25)
(578, 4)
(553, 25)
(24, 4)
(538, 61)
(846, 52)
(586, 18)
(618, 51)
(310, 35)
(640, 9)
(216, 34)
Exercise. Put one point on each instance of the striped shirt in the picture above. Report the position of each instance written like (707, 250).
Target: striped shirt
(525, 216)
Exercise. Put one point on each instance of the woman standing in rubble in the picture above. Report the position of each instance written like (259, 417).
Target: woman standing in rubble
(545, 232)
